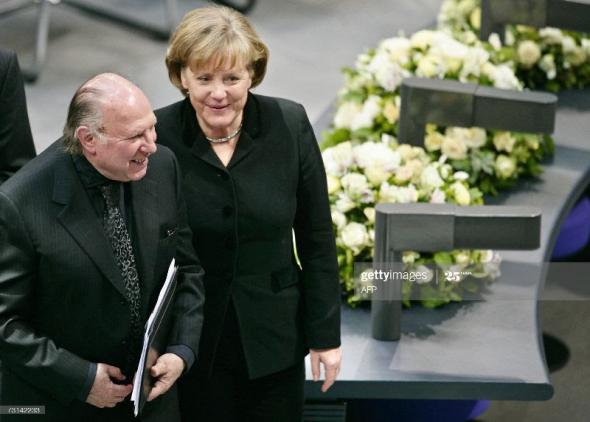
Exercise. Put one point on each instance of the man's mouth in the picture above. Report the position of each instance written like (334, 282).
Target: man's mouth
(139, 162)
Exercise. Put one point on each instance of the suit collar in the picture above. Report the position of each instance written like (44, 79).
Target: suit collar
(80, 220)
(195, 139)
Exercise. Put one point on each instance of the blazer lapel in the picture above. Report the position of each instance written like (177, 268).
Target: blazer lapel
(147, 228)
(80, 220)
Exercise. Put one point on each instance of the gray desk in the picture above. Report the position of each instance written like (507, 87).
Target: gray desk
(487, 349)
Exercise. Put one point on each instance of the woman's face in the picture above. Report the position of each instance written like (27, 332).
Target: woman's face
(218, 95)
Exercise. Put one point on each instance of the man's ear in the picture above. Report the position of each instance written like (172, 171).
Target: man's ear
(87, 139)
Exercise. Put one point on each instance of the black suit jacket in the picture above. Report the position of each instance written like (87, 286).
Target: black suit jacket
(16, 141)
(243, 217)
(62, 296)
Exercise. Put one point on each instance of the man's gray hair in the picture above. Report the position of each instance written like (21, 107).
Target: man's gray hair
(84, 110)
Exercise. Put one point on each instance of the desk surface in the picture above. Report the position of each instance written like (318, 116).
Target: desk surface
(486, 349)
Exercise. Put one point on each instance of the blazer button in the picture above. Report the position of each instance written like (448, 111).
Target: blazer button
(123, 302)
(123, 342)
(227, 211)
(230, 243)
(222, 175)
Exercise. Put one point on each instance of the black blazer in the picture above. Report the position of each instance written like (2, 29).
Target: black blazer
(62, 296)
(16, 141)
(242, 218)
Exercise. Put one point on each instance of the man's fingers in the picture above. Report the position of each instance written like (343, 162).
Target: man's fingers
(315, 366)
(157, 369)
(159, 388)
(114, 372)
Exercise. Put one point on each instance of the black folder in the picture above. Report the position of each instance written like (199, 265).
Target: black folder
(157, 335)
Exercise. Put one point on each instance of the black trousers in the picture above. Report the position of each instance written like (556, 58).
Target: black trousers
(228, 395)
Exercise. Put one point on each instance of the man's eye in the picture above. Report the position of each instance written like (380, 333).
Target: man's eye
(203, 78)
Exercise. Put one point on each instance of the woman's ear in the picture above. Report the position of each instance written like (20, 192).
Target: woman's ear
(184, 77)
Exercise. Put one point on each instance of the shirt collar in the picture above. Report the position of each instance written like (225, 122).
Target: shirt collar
(89, 176)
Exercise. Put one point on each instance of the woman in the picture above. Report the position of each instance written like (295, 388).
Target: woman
(253, 174)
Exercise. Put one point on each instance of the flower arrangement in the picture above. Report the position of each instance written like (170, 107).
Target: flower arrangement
(365, 165)
(363, 174)
(546, 59)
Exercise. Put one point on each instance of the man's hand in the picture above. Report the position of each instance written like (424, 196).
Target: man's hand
(166, 370)
(104, 392)
(330, 358)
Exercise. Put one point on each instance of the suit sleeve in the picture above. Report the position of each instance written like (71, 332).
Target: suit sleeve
(316, 245)
(16, 141)
(27, 353)
(190, 295)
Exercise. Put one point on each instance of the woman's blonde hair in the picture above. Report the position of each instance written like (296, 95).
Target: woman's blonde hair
(215, 35)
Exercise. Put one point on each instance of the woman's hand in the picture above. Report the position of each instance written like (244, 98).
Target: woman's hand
(331, 359)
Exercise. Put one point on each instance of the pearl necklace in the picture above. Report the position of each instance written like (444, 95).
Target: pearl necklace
(225, 138)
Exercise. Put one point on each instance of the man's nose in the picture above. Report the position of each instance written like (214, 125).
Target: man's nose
(149, 146)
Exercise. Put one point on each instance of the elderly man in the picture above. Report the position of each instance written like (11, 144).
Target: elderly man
(87, 232)
(16, 141)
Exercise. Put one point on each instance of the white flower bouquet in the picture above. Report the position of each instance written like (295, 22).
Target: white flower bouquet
(547, 59)
(361, 175)
(369, 103)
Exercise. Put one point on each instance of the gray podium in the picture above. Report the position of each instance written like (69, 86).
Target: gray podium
(489, 349)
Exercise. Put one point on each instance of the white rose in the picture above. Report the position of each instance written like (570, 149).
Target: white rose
(433, 141)
(354, 236)
(568, 44)
(338, 219)
(398, 49)
(338, 159)
(391, 111)
(396, 194)
(462, 257)
(474, 60)
(551, 35)
(586, 45)
(454, 148)
(495, 42)
(547, 64)
(406, 195)
(404, 174)
(504, 141)
(422, 39)
(472, 138)
(430, 66)
(355, 185)
(344, 203)
(371, 154)
(577, 56)
(505, 78)
(438, 197)
(460, 193)
(366, 118)
(461, 176)
(333, 184)
(430, 178)
(408, 152)
(429, 274)
(505, 166)
(528, 53)
(370, 214)
(388, 74)
(346, 113)
(377, 175)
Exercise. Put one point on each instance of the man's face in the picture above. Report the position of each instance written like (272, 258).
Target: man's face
(127, 138)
